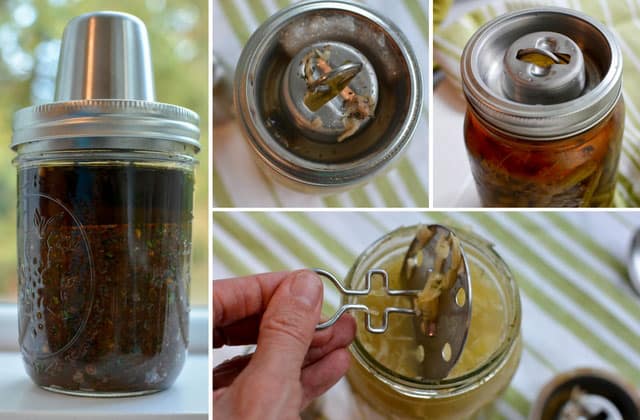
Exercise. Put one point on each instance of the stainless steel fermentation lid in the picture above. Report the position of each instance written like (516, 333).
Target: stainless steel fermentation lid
(105, 95)
(268, 78)
(542, 74)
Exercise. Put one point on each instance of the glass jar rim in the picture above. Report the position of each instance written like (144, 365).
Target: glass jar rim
(469, 380)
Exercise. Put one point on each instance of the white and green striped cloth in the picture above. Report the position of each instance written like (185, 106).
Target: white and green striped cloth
(578, 307)
(621, 16)
(237, 182)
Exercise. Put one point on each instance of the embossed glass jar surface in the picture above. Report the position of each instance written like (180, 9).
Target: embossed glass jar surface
(382, 373)
(105, 198)
(104, 255)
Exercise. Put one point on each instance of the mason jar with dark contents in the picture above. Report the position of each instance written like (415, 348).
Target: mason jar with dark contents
(545, 114)
(105, 200)
(328, 94)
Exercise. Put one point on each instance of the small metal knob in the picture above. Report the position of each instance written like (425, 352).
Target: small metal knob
(330, 91)
(544, 68)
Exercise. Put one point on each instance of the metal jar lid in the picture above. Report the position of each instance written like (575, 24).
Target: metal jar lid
(293, 87)
(587, 394)
(105, 96)
(542, 74)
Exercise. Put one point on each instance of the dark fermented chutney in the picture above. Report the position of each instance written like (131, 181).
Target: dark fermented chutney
(103, 273)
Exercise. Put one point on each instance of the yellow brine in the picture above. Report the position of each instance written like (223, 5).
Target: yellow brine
(385, 373)
(398, 350)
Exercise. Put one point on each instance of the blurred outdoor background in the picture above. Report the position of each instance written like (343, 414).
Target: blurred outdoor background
(30, 32)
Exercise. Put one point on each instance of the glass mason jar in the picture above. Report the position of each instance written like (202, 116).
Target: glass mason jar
(105, 206)
(378, 374)
(544, 126)
(313, 122)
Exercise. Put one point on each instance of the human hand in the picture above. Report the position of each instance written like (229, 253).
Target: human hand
(293, 363)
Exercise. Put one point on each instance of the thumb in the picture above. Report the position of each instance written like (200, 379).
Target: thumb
(288, 325)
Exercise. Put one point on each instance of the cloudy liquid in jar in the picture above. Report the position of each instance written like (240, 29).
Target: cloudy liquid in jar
(398, 350)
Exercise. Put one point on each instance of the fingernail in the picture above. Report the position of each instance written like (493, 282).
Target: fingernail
(307, 288)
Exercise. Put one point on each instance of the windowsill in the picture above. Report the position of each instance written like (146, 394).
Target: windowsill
(187, 399)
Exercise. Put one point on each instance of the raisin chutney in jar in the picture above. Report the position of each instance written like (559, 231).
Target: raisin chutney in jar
(545, 113)
(386, 373)
(328, 94)
(105, 198)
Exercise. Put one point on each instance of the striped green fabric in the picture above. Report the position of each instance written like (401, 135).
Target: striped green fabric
(440, 10)
(578, 307)
(237, 182)
(622, 17)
